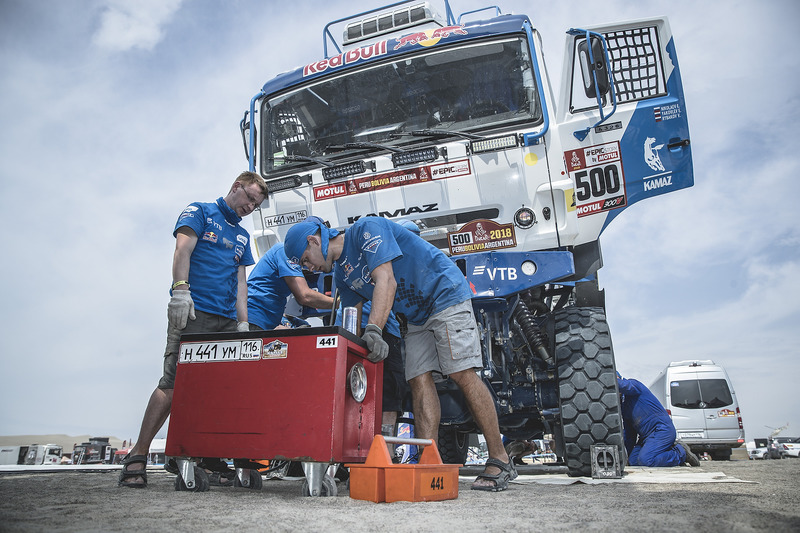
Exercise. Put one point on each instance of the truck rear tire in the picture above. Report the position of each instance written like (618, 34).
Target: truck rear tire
(453, 445)
(588, 395)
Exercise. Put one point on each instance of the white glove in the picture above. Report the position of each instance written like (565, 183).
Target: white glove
(378, 348)
(180, 308)
(242, 326)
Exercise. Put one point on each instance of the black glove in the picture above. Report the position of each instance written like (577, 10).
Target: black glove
(378, 348)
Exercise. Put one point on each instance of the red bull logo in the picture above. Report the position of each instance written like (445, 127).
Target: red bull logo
(346, 58)
(429, 37)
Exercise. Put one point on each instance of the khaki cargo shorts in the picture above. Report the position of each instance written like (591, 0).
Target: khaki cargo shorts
(447, 343)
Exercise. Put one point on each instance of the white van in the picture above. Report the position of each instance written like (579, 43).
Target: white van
(700, 398)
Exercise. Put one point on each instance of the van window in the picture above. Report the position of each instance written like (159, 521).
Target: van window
(700, 394)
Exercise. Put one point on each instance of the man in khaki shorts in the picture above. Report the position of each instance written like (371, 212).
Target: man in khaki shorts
(385, 263)
(208, 293)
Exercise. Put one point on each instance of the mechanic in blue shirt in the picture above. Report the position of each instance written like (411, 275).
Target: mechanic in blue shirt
(398, 271)
(649, 432)
(271, 282)
(208, 293)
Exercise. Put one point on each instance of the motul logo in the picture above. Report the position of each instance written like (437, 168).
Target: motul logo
(329, 191)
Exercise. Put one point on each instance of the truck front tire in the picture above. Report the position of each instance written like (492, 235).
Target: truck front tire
(588, 395)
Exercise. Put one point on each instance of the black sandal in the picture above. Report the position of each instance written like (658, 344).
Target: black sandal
(126, 473)
(501, 479)
(220, 474)
(221, 479)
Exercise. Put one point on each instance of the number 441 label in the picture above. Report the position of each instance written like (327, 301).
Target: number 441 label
(330, 341)
(438, 484)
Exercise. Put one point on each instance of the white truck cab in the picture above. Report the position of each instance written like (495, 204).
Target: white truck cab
(451, 122)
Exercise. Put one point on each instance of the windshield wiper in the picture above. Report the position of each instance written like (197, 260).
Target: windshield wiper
(305, 158)
(347, 146)
(444, 133)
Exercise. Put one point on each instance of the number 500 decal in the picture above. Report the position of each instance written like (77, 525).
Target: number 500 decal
(599, 180)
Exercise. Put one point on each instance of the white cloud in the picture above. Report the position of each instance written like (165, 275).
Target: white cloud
(125, 25)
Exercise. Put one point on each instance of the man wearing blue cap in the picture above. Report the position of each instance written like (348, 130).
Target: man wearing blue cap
(382, 262)
(271, 282)
(649, 432)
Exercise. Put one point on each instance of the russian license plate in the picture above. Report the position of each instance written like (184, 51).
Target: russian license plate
(204, 352)
(691, 435)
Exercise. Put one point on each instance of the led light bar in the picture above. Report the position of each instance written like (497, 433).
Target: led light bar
(415, 156)
(341, 171)
(494, 144)
(284, 184)
(390, 21)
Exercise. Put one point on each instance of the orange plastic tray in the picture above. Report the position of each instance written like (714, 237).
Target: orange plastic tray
(378, 480)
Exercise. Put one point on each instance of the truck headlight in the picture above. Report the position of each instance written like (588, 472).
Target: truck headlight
(358, 382)
(524, 218)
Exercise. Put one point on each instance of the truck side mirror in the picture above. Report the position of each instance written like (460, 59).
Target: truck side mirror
(596, 64)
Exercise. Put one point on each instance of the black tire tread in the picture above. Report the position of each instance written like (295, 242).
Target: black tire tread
(588, 395)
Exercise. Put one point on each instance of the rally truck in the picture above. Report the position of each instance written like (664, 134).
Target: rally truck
(415, 114)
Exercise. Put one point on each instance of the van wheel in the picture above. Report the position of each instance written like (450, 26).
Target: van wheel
(721, 455)
(587, 386)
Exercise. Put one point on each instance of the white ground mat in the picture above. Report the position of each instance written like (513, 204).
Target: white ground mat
(632, 474)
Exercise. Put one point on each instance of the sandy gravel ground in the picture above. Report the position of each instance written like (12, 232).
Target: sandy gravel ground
(78, 501)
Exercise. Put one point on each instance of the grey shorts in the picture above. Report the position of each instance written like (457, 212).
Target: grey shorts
(447, 343)
(203, 323)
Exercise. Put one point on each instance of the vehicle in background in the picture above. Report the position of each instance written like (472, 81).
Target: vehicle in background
(34, 454)
(13, 455)
(780, 447)
(96, 451)
(700, 398)
(758, 450)
(791, 448)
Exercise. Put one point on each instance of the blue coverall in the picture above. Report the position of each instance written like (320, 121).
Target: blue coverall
(649, 431)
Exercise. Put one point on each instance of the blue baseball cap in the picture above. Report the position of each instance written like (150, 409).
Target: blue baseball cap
(410, 226)
(297, 237)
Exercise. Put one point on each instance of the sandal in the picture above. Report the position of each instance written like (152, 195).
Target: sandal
(219, 473)
(501, 479)
(125, 474)
(221, 479)
(171, 466)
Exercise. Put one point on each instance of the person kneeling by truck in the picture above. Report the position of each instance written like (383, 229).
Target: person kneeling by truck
(650, 436)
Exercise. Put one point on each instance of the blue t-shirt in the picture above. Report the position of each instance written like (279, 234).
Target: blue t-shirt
(427, 280)
(222, 247)
(266, 289)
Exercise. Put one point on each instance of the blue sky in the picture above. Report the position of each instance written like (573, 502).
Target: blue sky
(116, 114)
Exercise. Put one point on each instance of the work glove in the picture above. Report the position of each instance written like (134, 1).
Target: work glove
(378, 348)
(242, 326)
(180, 308)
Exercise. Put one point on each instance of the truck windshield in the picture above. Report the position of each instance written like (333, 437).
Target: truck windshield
(472, 87)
